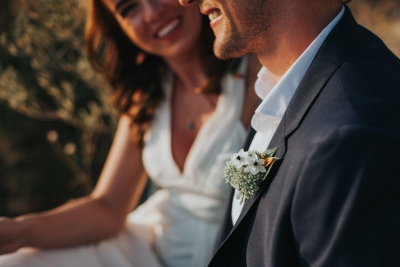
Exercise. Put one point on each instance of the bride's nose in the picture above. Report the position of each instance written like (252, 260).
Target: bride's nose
(187, 2)
(153, 10)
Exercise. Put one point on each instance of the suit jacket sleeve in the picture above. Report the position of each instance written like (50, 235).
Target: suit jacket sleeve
(346, 207)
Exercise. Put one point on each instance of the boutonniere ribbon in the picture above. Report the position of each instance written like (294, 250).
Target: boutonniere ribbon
(246, 170)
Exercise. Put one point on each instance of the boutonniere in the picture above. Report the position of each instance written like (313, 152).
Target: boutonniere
(246, 170)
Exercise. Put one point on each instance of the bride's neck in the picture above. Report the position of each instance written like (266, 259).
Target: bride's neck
(188, 71)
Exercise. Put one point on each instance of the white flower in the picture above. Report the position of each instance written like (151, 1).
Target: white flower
(246, 170)
(239, 159)
(255, 164)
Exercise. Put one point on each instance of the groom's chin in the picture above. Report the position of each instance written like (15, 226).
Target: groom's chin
(225, 54)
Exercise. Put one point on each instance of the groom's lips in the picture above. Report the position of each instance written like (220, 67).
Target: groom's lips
(214, 14)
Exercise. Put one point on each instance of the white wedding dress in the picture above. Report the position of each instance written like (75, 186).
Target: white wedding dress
(177, 225)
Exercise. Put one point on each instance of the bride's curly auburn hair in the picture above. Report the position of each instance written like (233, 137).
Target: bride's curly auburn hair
(136, 76)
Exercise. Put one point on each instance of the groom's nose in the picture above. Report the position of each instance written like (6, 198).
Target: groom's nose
(187, 2)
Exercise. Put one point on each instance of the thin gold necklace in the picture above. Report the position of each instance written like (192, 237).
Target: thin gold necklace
(191, 124)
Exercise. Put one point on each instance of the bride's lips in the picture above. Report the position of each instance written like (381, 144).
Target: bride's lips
(168, 29)
(213, 14)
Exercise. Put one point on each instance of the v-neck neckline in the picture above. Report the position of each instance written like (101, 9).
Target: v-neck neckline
(199, 134)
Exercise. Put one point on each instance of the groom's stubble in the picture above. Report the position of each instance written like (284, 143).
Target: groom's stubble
(244, 27)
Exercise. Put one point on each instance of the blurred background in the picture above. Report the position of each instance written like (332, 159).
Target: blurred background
(56, 120)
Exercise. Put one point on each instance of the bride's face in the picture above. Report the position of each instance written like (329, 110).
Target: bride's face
(160, 27)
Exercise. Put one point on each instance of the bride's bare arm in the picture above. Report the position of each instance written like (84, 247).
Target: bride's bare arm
(91, 218)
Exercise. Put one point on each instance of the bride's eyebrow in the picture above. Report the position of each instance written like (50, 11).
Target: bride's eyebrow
(120, 3)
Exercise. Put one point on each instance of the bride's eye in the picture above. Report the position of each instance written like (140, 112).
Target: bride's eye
(125, 7)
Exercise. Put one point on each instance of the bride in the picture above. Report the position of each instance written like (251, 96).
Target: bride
(183, 113)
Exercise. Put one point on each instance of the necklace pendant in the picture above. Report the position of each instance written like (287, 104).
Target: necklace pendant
(190, 125)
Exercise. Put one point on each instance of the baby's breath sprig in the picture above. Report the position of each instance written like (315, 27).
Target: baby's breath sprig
(246, 170)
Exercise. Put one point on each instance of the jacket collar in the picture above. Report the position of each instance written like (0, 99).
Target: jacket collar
(340, 45)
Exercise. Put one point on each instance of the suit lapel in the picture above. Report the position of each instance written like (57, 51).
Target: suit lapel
(249, 138)
(340, 44)
(277, 141)
(227, 223)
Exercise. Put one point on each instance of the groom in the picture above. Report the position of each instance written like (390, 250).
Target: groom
(331, 103)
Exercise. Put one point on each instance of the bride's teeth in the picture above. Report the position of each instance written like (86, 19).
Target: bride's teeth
(167, 29)
(213, 15)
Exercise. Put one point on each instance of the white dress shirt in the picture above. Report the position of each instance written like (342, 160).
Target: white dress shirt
(276, 96)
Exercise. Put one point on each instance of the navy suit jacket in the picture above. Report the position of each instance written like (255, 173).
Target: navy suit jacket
(334, 199)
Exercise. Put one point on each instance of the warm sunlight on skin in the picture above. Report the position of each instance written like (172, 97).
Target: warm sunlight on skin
(272, 30)
(187, 2)
(162, 28)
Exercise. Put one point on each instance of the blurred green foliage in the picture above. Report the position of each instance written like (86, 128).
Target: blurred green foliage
(381, 17)
(56, 121)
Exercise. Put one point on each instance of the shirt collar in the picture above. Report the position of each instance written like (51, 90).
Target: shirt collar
(276, 96)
